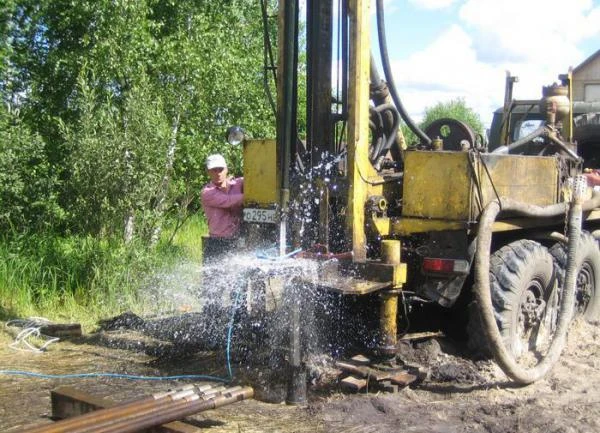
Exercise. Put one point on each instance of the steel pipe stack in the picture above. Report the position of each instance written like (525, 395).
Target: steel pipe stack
(151, 411)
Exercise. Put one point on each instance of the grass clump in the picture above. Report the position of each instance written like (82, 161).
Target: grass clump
(84, 279)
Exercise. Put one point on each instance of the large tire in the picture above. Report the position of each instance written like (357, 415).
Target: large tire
(586, 132)
(522, 282)
(587, 298)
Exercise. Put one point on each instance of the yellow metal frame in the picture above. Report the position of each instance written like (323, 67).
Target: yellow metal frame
(261, 176)
(359, 165)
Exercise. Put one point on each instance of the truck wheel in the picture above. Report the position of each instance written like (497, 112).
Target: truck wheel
(521, 281)
(587, 299)
(586, 133)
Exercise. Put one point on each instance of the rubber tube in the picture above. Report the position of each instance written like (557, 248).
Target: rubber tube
(383, 97)
(482, 283)
(393, 132)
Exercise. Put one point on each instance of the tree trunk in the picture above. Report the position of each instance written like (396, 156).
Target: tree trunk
(161, 196)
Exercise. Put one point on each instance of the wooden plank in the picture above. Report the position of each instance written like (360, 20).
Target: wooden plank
(353, 383)
(62, 330)
(361, 360)
(68, 402)
(364, 371)
(420, 335)
(403, 379)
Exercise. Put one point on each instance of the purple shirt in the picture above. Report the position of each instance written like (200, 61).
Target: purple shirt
(223, 207)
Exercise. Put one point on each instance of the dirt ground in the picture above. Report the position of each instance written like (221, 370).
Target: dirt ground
(458, 396)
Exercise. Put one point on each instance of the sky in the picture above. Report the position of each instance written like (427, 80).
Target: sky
(441, 50)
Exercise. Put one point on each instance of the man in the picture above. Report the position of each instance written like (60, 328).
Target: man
(222, 202)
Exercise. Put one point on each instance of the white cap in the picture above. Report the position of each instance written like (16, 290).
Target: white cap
(214, 161)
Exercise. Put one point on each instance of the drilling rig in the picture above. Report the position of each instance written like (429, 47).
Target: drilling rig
(514, 229)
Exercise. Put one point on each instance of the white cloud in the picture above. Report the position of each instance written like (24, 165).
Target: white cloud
(432, 4)
(535, 39)
(448, 69)
(533, 30)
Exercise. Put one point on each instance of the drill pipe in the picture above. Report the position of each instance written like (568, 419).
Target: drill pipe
(175, 411)
(116, 411)
(149, 410)
(132, 408)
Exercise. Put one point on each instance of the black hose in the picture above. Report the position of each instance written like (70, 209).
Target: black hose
(393, 131)
(482, 282)
(377, 132)
(390, 78)
(380, 94)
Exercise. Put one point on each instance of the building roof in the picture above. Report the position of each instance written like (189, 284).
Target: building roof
(586, 61)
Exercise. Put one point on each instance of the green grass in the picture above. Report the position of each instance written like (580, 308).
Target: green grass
(189, 238)
(82, 279)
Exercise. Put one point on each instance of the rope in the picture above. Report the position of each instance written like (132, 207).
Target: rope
(31, 329)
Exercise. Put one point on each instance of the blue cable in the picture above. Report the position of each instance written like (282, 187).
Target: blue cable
(135, 377)
(230, 332)
(113, 375)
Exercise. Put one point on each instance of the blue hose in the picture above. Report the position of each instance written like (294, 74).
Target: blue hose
(184, 376)
(136, 377)
(111, 375)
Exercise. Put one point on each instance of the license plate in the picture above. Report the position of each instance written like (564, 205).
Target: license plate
(259, 215)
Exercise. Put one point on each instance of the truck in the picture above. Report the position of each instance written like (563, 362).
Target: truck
(518, 117)
(507, 233)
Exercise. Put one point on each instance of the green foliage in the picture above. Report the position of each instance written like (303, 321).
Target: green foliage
(128, 98)
(454, 109)
(116, 159)
(114, 106)
(28, 197)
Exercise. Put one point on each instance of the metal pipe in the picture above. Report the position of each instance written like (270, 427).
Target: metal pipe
(296, 388)
(103, 414)
(176, 411)
(162, 408)
(388, 307)
(287, 138)
(503, 150)
(135, 410)
(115, 423)
(564, 147)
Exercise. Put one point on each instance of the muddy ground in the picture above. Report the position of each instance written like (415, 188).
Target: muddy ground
(459, 395)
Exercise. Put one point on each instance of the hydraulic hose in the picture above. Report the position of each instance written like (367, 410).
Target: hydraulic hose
(516, 144)
(390, 78)
(380, 94)
(482, 290)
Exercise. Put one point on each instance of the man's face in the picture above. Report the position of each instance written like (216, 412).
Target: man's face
(218, 175)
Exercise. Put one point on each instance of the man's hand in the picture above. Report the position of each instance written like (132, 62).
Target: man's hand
(593, 177)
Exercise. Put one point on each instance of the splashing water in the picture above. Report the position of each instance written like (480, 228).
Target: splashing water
(194, 303)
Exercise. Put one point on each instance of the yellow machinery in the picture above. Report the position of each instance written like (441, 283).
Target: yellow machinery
(395, 223)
